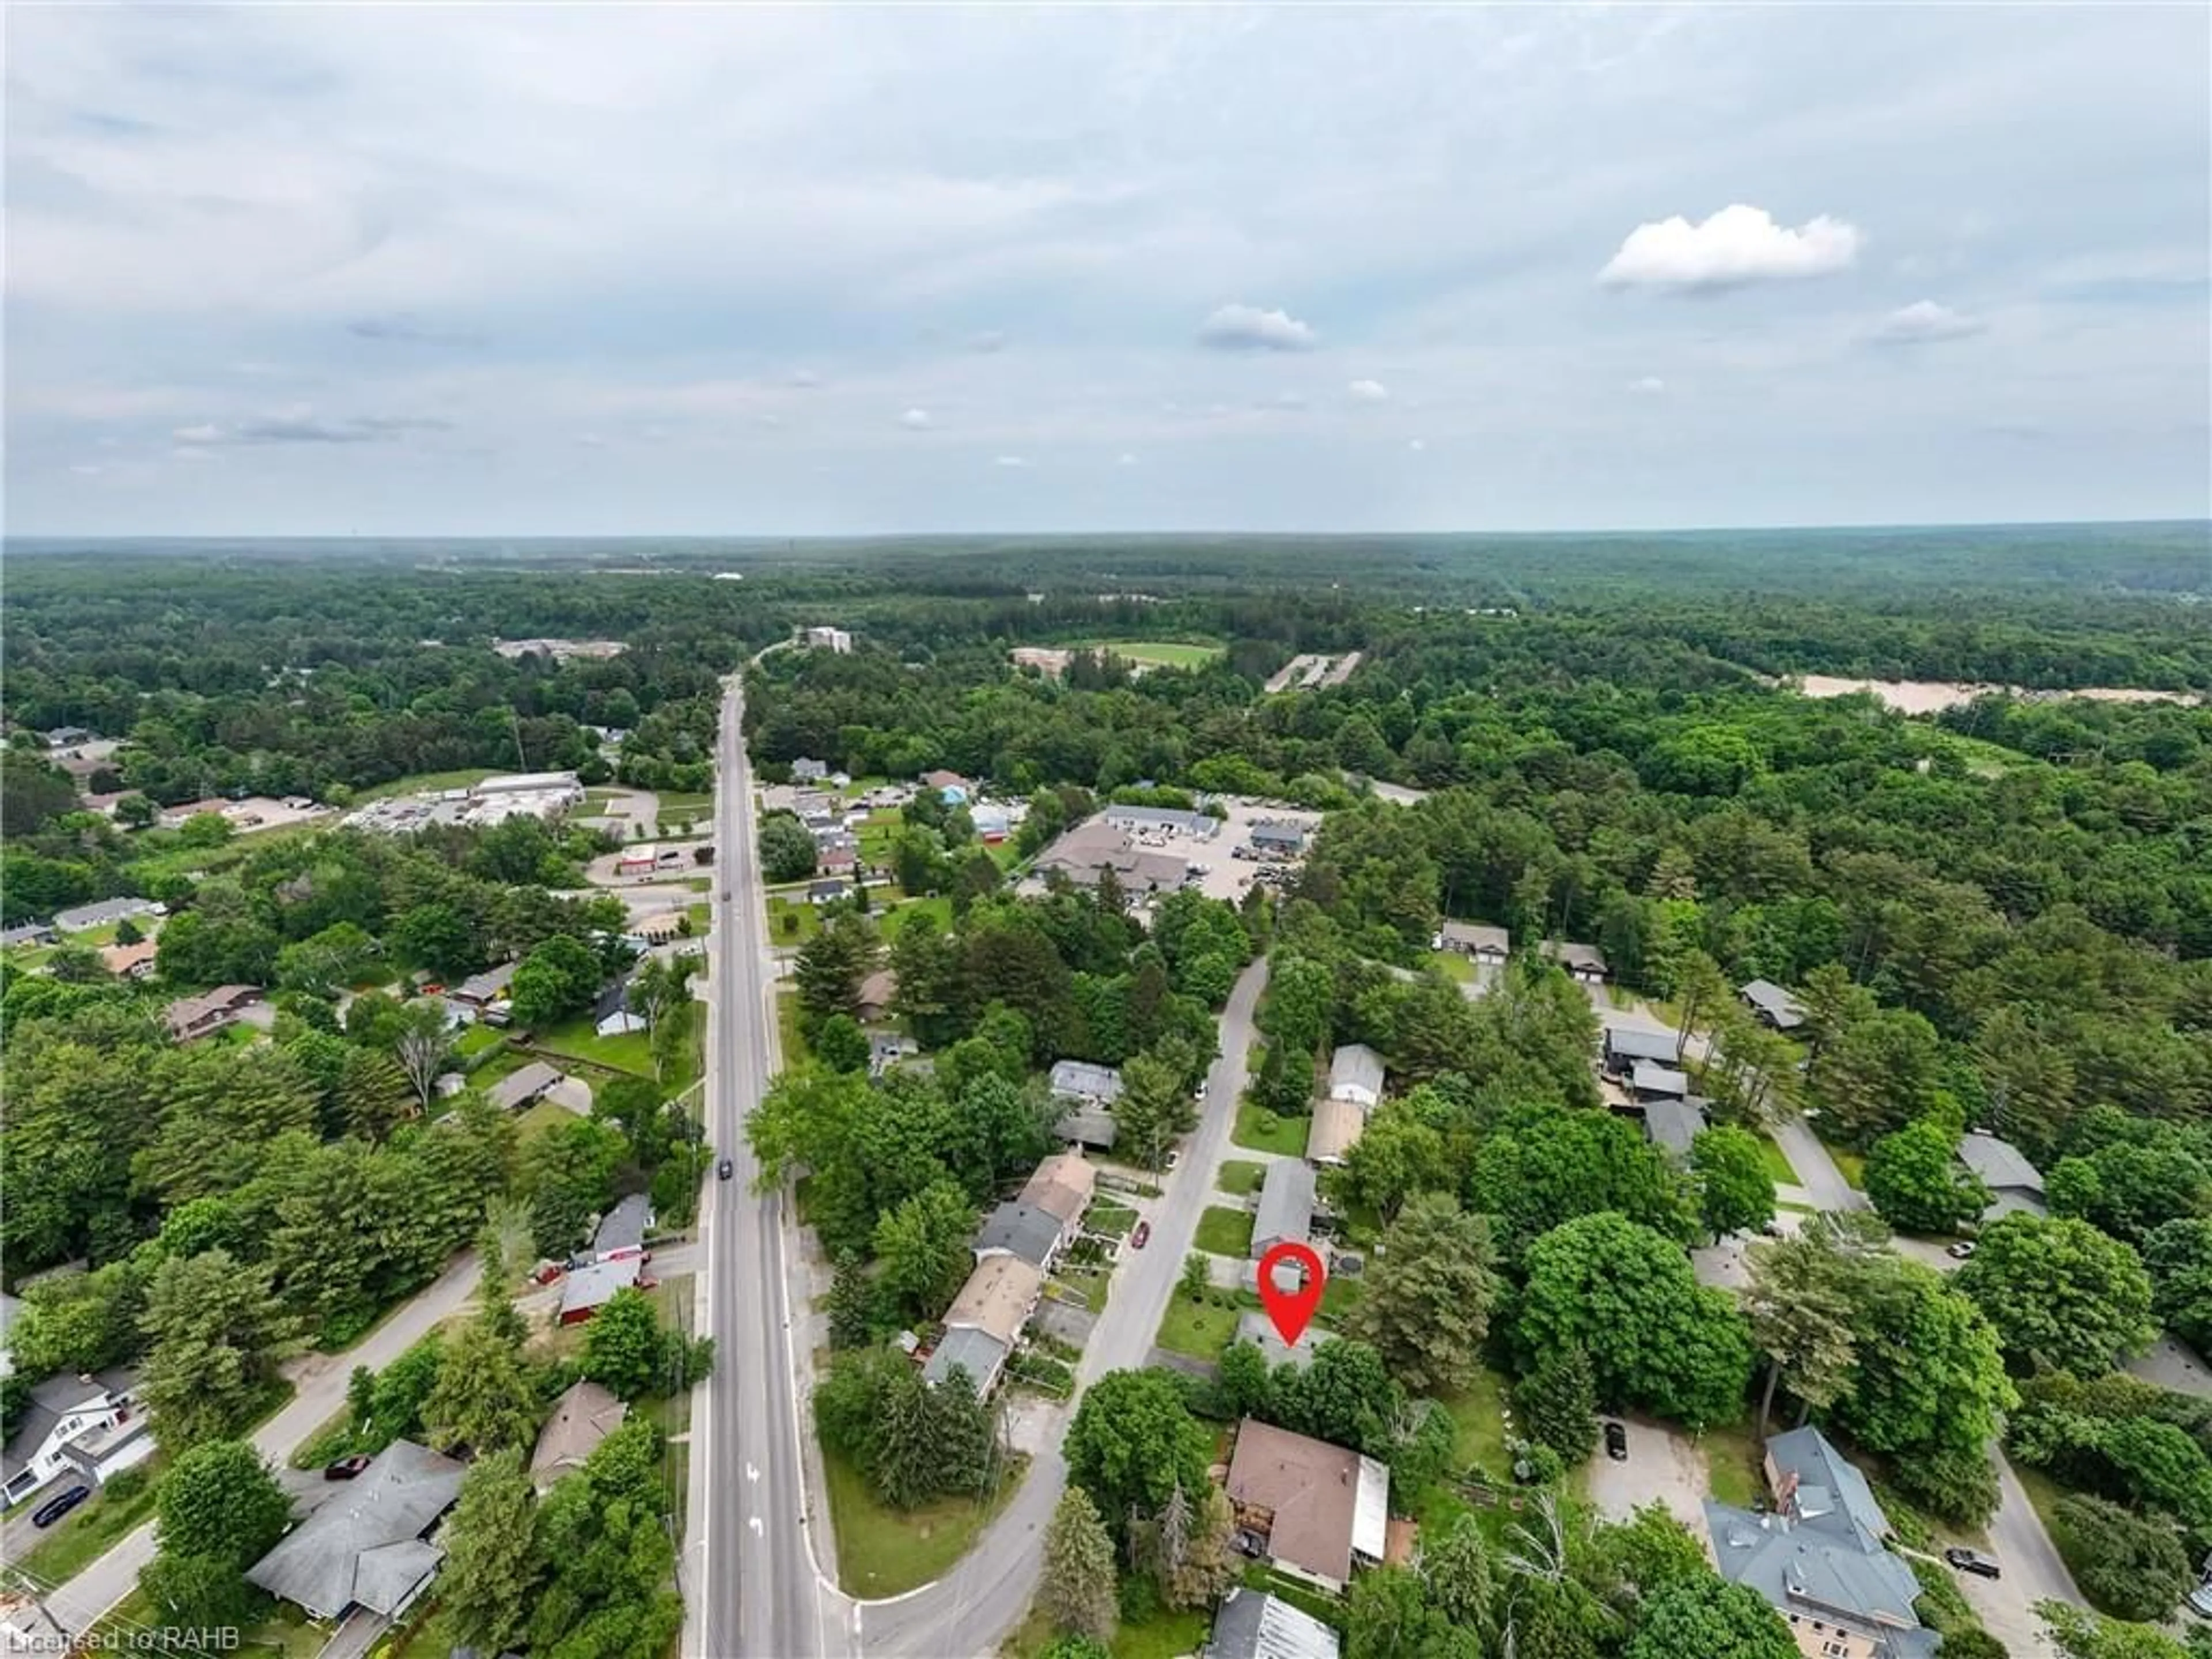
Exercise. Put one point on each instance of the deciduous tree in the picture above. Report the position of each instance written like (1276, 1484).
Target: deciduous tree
(2061, 1294)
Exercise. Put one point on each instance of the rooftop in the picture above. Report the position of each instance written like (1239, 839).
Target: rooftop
(997, 1297)
(589, 1288)
(1286, 1204)
(1648, 1078)
(1328, 1503)
(2002, 1165)
(362, 1546)
(1024, 1230)
(622, 1228)
(1775, 1002)
(524, 1085)
(1063, 1184)
(1336, 1127)
(1673, 1124)
(1079, 1079)
(1477, 936)
(1355, 1065)
(1254, 1625)
(966, 1348)
(584, 1416)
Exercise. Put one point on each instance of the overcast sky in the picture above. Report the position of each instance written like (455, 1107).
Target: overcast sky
(316, 269)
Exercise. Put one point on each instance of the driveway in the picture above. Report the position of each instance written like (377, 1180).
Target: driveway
(1664, 1466)
(2032, 1568)
(2171, 1365)
(1816, 1171)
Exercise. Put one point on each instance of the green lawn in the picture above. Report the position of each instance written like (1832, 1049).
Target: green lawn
(1225, 1231)
(538, 1119)
(101, 1523)
(1453, 964)
(1477, 1415)
(1114, 1219)
(882, 1551)
(1779, 1169)
(793, 1039)
(1241, 1176)
(1339, 1297)
(930, 912)
(575, 1039)
(1851, 1165)
(466, 778)
(1287, 1139)
(474, 1039)
(1166, 653)
(1738, 1472)
(805, 920)
(1091, 1284)
(1199, 1330)
(1166, 1635)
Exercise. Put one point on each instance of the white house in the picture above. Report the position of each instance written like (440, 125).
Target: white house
(81, 1415)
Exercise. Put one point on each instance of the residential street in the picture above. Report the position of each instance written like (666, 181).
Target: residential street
(319, 1385)
(970, 1609)
(2033, 1570)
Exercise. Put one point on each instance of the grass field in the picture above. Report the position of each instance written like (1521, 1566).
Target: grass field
(1114, 1219)
(477, 1039)
(805, 920)
(1199, 1330)
(1165, 1635)
(882, 1551)
(1241, 1176)
(1779, 1166)
(103, 1522)
(1737, 1464)
(1224, 1232)
(930, 912)
(575, 1039)
(792, 1040)
(1164, 653)
(1287, 1139)
(1477, 1415)
(1849, 1164)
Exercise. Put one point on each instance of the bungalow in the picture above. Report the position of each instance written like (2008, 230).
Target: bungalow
(951, 788)
(582, 1416)
(1286, 1207)
(66, 737)
(1080, 1080)
(621, 1230)
(479, 991)
(1776, 1009)
(1625, 1045)
(2014, 1182)
(30, 932)
(1673, 1126)
(1093, 1127)
(992, 824)
(1355, 1075)
(522, 1088)
(103, 911)
(367, 1546)
(1336, 1127)
(1821, 1557)
(806, 769)
(827, 892)
(620, 1023)
(1585, 963)
(984, 1320)
(838, 860)
(878, 991)
(191, 1017)
(1648, 1080)
(1260, 1331)
(587, 1289)
(1251, 1624)
(1488, 945)
(1309, 1508)
(65, 1413)
(130, 961)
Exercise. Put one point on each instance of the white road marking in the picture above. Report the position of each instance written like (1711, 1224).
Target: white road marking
(759, 1531)
(751, 1474)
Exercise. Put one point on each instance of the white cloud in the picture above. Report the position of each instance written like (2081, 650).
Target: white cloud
(1650, 386)
(1125, 460)
(916, 419)
(1922, 322)
(1737, 245)
(1011, 461)
(1416, 445)
(85, 470)
(803, 380)
(1283, 400)
(1248, 328)
(589, 441)
(1368, 392)
(989, 341)
(202, 434)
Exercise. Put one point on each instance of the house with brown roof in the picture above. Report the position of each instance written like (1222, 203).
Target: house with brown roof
(985, 1320)
(1585, 963)
(191, 1017)
(878, 991)
(587, 1414)
(1335, 1129)
(1063, 1184)
(1485, 944)
(1311, 1509)
(130, 961)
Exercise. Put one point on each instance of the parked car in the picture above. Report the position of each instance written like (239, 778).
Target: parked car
(2199, 1601)
(1616, 1441)
(1143, 1232)
(1972, 1561)
(1962, 1249)
(346, 1468)
(54, 1507)
(724, 1169)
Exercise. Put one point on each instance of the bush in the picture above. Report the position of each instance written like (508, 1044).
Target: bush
(2128, 1566)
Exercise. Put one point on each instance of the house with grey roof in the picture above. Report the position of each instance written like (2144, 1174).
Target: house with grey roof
(1820, 1556)
(64, 1414)
(1624, 1045)
(29, 932)
(1089, 1126)
(1251, 1624)
(1078, 1079)
(587, 1289)
(621, 1230)
(1776, 1009)
(1585, 963)
(1355, 1075)
(369, 1546)
(1648, 1080)
(2014, 1182)
(1485, 944)
(1028, 1232)
(100, 912)
(1674, 1125)
(1279, 840)
(519, 1088)
(582, 1416)
(1260, 1331)
(1286, 1207)
(479, 991)
(966, 1348)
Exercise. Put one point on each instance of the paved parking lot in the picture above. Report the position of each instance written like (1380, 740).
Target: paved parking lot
(1664, 1466)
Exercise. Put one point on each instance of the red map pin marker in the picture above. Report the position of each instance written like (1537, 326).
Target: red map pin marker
(1291, 1310)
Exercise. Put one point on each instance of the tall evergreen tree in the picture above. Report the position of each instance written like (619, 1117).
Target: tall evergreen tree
(1077, 1590)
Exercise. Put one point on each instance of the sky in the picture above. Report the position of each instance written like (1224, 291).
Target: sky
(322, 270)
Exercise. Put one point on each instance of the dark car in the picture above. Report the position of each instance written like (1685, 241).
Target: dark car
(724, 1169)
(54, 1509)
(1616, 1441)
(1142, 1233)
(346, 1468)
(1974, 1562)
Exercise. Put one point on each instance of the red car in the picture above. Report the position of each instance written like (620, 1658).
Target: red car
(1137, 1239)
